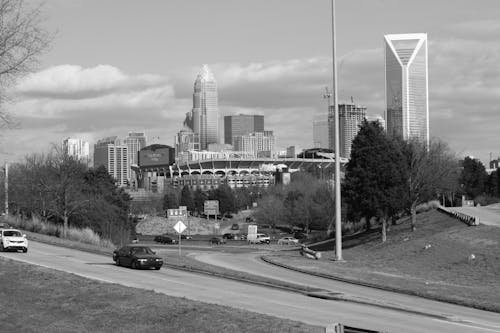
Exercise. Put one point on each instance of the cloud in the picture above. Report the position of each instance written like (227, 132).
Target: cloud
(476, 29)
(75, 82)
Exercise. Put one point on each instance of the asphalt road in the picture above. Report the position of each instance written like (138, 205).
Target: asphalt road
(236, 294)
(488, 215)
(251, 263)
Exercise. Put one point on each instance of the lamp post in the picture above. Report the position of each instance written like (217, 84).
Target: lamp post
(338, 224)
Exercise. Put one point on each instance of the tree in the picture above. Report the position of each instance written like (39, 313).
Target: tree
(199, 198)
(473, 177)
(224, 194)
(187, 198)
(170, 200)
(270, 210)
(429, 170)
(22, 40)
(375, 174)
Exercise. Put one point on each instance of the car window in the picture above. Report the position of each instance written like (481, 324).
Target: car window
(12, 233)
(141, 250)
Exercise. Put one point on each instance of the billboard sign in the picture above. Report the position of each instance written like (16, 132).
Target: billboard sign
(211, 207)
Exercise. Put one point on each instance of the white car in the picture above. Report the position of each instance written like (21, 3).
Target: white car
(13, 239)
(288, 241)
(260, 239)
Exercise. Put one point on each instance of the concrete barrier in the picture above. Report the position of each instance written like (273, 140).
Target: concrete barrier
(466, 218)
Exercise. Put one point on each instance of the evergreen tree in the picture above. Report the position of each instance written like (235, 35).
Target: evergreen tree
(187, 198)
(199, 198)
(375, 175)
(473, 177)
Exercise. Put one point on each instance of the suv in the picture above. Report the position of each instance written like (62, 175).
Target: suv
(13, 239)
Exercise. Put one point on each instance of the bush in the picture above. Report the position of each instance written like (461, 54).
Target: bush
(426, 206)
(485, 200)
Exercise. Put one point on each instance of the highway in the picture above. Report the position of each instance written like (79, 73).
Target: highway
(250, 297)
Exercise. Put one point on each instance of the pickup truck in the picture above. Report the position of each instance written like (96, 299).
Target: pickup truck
(260, 239)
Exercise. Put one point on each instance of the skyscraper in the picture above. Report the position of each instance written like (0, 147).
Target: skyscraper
(204, 117)
(320, 133)
(135, 141)
(350, 118)
(114, 156)
(259, 144)
(237, 125)
(406, 84)
(77, 148)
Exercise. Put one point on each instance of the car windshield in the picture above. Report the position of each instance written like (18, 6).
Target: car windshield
(141, 250)
(11, 233)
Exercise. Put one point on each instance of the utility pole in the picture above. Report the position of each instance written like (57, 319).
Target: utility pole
(338, 222)
(6, 169)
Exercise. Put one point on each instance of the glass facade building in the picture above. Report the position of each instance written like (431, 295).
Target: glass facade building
(406, 79)
(205, 113)
(237, 125)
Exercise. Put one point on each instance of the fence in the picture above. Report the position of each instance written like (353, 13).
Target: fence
(466, 218)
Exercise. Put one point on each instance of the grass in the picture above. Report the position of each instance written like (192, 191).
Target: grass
(434, 261)
(35, 297)
(35, 225)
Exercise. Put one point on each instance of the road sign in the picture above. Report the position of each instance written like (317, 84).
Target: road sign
(211, 207)
(177, 212)
(179, 227)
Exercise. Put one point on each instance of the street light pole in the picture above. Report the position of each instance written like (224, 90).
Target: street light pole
(6, 188)
(338, 224)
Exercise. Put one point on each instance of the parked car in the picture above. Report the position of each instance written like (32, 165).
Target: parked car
(185, 236)
(300, 235)
(164, 239)
(137, 256)
(217, 241)
(288, 241)
(13, 240)
(249, 219)
(260, 239)
(235, 226)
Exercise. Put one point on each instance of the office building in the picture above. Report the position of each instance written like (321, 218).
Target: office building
(238, 125)
(258, 144)
(406, 83)
(320, 133)
(77, 148)
(114, 157)
(185, 141)
(135, 141)
(350, 118)
(204, 117)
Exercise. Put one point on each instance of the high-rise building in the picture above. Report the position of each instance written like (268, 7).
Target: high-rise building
(259, 144)
(114, 157)
(185, 141)
(77, 148)
(204, 117)
(135, 141)
(406, 84)
(320, 133)
(237, 125)
(350, 118)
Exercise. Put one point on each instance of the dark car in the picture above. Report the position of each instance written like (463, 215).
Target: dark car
(250, 219)
(164, 239)
(230, 236)
(235, 226)
(217, 240)
(137, 256)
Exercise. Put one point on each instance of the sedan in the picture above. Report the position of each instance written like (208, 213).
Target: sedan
(137, 256)
(288, 241)
(165, 239)
(217, 241)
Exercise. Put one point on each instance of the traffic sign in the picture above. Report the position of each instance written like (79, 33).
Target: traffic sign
(179, 227)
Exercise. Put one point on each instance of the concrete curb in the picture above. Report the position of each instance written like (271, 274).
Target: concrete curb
(375, 286)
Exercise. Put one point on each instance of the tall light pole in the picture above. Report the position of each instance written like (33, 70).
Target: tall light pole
(338, 223)
(6, 188)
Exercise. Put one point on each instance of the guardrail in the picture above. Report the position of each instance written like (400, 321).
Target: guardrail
(470, 220)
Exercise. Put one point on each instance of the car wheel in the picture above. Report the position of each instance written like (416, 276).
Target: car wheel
(134, 265)
(1, 247)
(118, 263)
(157, 268)
(25, 250)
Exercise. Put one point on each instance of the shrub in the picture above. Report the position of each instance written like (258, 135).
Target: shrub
(426, 206)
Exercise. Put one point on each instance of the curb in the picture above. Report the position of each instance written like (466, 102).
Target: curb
(379, 287)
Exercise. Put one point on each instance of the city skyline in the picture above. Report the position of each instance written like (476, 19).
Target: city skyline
(85, 88)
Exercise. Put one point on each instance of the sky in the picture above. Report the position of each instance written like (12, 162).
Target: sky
(117, 66)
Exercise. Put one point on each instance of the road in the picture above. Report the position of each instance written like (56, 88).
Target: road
(250, 297)
(488, 215)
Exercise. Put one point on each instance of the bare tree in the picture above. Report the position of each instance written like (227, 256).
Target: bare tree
(430, 169)
(22, 40)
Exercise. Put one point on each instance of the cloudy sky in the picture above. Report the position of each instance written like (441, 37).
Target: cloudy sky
(120, 65)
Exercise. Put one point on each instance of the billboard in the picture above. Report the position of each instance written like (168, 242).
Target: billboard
(156, 155)
(211, 207)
